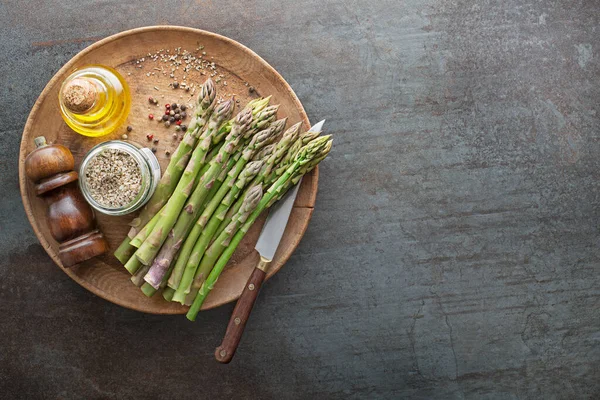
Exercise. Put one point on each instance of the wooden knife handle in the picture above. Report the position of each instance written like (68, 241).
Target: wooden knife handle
(224, 353)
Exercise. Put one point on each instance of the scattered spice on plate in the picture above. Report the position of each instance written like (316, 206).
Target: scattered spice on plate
(129, 128)
(113, 178)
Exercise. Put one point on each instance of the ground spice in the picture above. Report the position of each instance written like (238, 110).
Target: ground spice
(113, 178)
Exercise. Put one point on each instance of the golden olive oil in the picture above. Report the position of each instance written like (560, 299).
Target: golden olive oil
(94, 100)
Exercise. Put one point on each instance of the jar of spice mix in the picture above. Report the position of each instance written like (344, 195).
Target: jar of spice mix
(118, 177)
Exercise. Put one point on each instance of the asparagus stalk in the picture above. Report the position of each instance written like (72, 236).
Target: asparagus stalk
(250, 202)
(289, 137)
(166, 254)
(231, 237)
(137, 241)
(138, 277)
(232, 195)
(206, 229)
(125, 250)
(173, 213)
(168, 293)
(179, 159)
(168, 216)
(133, 264)
(170, 248)
(192, 250)
(149, 290)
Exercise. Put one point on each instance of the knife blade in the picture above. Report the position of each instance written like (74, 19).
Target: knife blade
(266, 246)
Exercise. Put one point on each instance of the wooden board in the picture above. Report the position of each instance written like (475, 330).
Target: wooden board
(240, 68)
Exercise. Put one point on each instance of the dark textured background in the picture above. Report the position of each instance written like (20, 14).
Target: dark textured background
(453, 252)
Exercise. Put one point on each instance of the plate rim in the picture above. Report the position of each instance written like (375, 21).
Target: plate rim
(23, 182)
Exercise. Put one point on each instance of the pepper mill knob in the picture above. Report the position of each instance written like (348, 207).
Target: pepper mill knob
(69, 217)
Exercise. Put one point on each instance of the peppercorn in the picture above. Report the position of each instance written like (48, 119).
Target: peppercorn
(171, 119)
(177, 111)
(153, 149)
(129, 128)
(171, 113)
(167, 106)
(177, 117)
(173, 106)
(178, 122)
(150, 117)
(183, 107)
(165, 117)
(177, 128)
(175, 85)
(149, 137)
(167, 124)
(124, 136)
(150, 99)
(155, 141)
(183, 127)
(183, 115)
(167, 153)
(155, 102)
(175, 135)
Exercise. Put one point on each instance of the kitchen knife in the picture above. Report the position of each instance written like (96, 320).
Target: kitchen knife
(267, 244)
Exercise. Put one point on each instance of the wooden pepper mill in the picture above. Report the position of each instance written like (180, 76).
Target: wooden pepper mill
(69, 217)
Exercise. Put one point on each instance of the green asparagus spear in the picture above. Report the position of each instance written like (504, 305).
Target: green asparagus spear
(170, 248)
(166, 254)
(173, 211)
(190, 251)
(232, 236)
(179, 159)
(168, 216)
(289, 137)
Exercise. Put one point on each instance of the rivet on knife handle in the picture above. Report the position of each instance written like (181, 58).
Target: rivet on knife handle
(224, 353)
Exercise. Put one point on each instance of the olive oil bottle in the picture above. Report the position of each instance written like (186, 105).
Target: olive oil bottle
(94, 100)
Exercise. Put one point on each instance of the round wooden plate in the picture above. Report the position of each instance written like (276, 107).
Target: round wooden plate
(240, 68)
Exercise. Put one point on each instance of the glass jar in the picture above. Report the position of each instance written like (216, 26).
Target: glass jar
(94, 100)
(149, 170)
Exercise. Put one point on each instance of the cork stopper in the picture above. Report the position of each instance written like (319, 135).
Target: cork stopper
(79, 95)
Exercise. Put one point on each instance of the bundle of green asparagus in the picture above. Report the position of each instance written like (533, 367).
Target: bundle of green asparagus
(224, 174)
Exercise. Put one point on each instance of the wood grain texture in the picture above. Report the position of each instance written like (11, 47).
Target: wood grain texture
(238, 66)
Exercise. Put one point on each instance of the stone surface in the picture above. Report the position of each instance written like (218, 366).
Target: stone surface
(453, 252)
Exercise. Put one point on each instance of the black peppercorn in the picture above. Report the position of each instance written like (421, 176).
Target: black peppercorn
(183, 115)
(183, 127)
(165, 117)
(129, 128)
(173, 106)
(153, 149)
(172, 119)
(177, 117)
(177, 111)
(183, 107)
